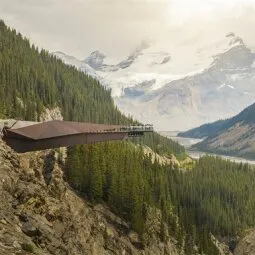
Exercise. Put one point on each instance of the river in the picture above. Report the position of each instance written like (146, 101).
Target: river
(188, 142)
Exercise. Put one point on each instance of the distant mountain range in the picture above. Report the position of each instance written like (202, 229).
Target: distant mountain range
(234, 136)
(179, 86)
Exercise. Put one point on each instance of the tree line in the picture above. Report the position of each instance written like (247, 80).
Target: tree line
(215, 197)
(33, 79)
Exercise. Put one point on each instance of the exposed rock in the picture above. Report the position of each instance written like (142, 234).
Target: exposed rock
(51, 114)
(222, 247)
(29, 229)
(16, 245)
(187, 161)
(3, 221)
(40, 212)
(161, 159)
(246, 246)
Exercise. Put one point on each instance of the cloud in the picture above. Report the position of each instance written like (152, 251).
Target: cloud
(184, 11)
(78, 27)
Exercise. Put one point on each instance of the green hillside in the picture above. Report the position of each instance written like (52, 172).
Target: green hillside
(194, 203)
(246, 117)
(234, 136)
(31, 80)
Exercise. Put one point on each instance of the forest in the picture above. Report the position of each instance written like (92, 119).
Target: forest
(215, 197)
(122, 176)
(33, 79)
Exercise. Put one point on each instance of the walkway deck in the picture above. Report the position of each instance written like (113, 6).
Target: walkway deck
(29, 136)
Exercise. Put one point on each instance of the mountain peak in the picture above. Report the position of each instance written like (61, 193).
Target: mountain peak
(234, 39)
(230, 35)
(95, 60)
(98, 54)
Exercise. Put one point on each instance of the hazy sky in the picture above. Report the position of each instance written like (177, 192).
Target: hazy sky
(78, 27)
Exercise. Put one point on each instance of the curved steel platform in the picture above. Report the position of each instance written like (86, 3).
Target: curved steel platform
(34, 136)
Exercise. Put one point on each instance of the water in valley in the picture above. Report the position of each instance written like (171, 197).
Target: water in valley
(188, 142)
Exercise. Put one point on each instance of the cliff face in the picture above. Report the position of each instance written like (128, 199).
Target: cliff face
(40, 213)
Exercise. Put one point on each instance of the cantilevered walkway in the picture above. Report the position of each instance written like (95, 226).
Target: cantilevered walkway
(25, 136)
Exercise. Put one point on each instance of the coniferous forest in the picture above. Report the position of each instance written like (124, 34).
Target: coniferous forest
(32, 79)
(215, 197)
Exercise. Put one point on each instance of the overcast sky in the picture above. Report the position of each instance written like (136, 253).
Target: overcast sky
(115, 27)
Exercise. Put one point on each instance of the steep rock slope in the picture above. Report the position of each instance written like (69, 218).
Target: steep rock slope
(180, 86)
(234, 136)
(40, 212)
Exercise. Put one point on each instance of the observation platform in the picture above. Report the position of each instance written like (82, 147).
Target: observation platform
(24, 136)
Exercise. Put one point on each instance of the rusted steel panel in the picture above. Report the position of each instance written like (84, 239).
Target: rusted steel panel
(57, 128)
(64, 141)
(56, 133)
(12, 134)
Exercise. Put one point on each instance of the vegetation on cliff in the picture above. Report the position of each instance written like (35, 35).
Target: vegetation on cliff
(32, 79)
(209, 199)
(121, 175)
(215, 197)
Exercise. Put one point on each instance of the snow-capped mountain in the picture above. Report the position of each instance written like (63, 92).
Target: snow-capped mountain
(77, 63)
(178, 86)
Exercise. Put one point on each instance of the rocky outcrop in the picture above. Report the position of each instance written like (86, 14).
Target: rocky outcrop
(246, 246)
(51, 114)
(40, 213)
(163, 160)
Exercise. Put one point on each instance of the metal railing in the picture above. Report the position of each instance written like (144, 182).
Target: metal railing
(138, 128)
(131, 128)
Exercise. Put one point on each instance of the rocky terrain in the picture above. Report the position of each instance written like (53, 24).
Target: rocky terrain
(246, 245)
(41, 214)
(168, 160)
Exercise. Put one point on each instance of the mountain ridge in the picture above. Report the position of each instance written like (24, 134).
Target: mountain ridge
(219, 73)
(233, 136)
(34, 202)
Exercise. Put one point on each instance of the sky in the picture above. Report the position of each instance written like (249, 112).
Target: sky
(116, 27)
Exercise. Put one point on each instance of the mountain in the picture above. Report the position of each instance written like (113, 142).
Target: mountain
(203, 131)
(179, 86)
(33, 82)
(234, 136)
(41, 214)
(75, 62)
(107, 198)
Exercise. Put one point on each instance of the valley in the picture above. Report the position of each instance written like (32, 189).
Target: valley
(232, 137)
(196, 154)
(144, 194)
